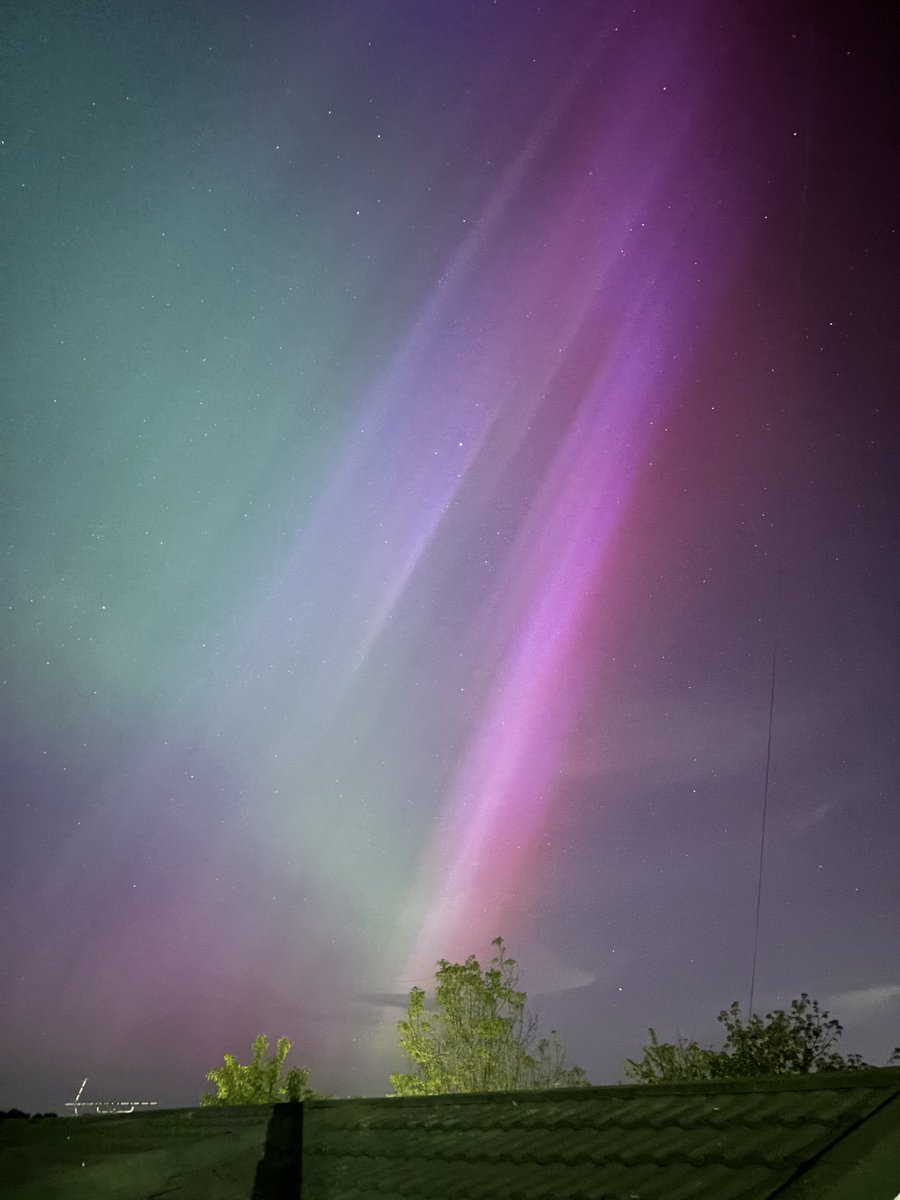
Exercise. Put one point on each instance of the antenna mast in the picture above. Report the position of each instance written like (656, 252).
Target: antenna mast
(792, 377)
(762, 834)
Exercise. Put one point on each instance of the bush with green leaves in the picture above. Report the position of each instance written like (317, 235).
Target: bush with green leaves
(479, 1038)
(784, 1043)
(259, 1082)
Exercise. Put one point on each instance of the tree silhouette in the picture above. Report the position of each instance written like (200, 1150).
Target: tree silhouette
(784, 1043)
(479, 1038)
(260, 1082)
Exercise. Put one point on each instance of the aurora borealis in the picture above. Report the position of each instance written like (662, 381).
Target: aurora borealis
(410, 410)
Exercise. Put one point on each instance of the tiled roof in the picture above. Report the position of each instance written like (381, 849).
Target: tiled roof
(811, 1137)
(170, 1154)
(748, 1140)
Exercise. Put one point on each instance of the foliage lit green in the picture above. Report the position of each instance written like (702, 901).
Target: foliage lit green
(259, 1082)
(480, 1037)
(784, 1043)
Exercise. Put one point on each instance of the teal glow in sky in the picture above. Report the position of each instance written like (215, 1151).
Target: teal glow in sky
(408, 407)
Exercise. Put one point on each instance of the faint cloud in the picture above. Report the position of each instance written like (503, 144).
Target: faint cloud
(865, 1002)
(383, 999)
(803, 820)
(543, 973)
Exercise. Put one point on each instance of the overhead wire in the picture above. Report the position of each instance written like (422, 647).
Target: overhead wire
(780, 543)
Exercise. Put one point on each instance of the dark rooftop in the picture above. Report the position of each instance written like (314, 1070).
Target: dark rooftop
(828, 1137)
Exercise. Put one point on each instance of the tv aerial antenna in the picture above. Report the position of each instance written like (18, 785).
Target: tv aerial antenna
(800, 238)
(102, 1108)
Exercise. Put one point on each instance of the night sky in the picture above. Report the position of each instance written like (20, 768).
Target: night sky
(422, 423)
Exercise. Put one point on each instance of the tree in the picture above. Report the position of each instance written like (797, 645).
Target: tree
(259, 1082)
(480, 1038)
(666, 1062)
(785, 1043)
